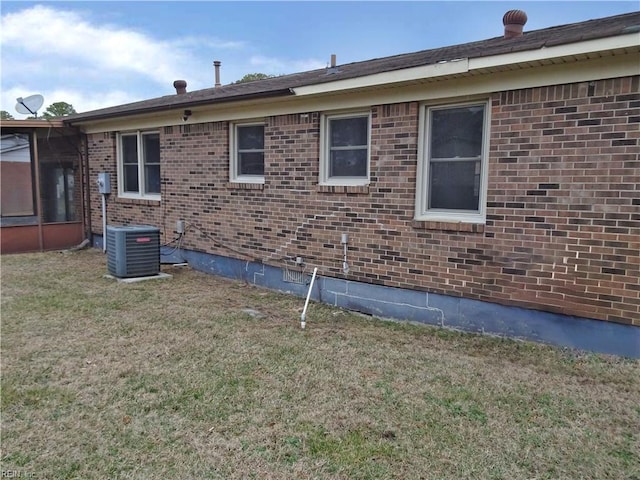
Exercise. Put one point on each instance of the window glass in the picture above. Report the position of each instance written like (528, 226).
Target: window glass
(140, 163)
(152, 178)
(349, 132)
(251, 137)
(347, 153)
(454, 185)
(151, 147)
(348, 163)
(250, 150)
(129, 154)
(251, 163)
(131, 178)
(129, 149)
(455, 158)
(457, 132)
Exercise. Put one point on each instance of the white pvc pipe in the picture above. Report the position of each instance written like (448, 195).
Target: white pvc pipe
(306, 303)
(104, 222)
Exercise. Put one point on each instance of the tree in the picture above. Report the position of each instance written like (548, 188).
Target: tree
(4, 115)
(250, 77)
(58, 109)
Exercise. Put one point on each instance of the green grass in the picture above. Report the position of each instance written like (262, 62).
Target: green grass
(173, 378)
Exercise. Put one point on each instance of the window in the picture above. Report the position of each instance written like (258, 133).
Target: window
(139, 165)
(344, 158)
(247, 153)
(453, 166)
(16, 176)
(58, 192)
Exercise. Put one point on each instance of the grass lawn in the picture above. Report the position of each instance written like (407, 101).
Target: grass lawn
(174, 379)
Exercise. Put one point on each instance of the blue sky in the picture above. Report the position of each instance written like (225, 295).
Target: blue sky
(98, 54)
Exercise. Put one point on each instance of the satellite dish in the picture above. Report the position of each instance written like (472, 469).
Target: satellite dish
(29, 105)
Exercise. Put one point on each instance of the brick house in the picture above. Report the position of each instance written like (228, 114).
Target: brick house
(490, 186)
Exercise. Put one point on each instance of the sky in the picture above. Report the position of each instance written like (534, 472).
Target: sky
(99, 54)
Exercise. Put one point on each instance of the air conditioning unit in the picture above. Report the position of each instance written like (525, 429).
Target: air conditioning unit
(133, 251)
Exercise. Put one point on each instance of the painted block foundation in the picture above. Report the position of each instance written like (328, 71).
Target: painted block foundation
(429, 308)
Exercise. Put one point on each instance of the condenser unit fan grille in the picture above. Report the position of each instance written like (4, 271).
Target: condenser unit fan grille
(133, 251)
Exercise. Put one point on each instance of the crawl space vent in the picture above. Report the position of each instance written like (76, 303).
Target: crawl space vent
(292, 276)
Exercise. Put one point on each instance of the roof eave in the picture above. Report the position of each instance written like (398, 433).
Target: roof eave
(32, 123)
(89, 117)
(466, 66)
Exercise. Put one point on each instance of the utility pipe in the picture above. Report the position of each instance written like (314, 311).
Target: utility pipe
(38, 206)
(306, 303)
(344, 240)
(104, 222)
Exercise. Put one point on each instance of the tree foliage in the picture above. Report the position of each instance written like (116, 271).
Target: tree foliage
(250, 77)
(4, 115)
(58, 109)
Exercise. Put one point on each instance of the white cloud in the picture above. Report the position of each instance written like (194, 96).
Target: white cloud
(65, 55)
(64, 35)
(94, 65)
(83, 102)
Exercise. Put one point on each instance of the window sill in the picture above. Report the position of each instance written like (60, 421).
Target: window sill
(448, 226)
(245, 186)
(138, 201)
(358, 189)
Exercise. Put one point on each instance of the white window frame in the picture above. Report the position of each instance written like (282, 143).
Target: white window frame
(422, 212)
(234, 175)
(325, 148)
(141, 174)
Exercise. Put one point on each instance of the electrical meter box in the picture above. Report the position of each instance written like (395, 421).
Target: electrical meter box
(104, 183)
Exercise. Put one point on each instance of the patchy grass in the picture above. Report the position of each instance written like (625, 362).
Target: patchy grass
(172, 378)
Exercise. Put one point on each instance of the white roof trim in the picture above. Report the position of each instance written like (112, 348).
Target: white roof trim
(464, 65)
(451, 67)
(547, 53)
(483, 82)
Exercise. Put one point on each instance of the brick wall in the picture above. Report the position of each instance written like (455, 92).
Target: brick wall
(563, 217)
(564, 193)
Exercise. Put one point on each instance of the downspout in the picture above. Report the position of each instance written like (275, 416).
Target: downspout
(87, 189)
(82, 184)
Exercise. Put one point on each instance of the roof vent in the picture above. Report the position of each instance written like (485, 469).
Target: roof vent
(216, 66)
(180, 86)
(513, 22)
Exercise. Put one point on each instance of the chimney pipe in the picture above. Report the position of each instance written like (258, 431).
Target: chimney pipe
(216, 66)
(180, 86)
(513, 22)
(333, 60)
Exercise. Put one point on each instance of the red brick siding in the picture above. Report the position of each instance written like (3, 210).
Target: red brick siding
(563, 226)
(563, 197)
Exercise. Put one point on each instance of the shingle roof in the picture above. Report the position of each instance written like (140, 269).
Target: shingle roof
(283, 85)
